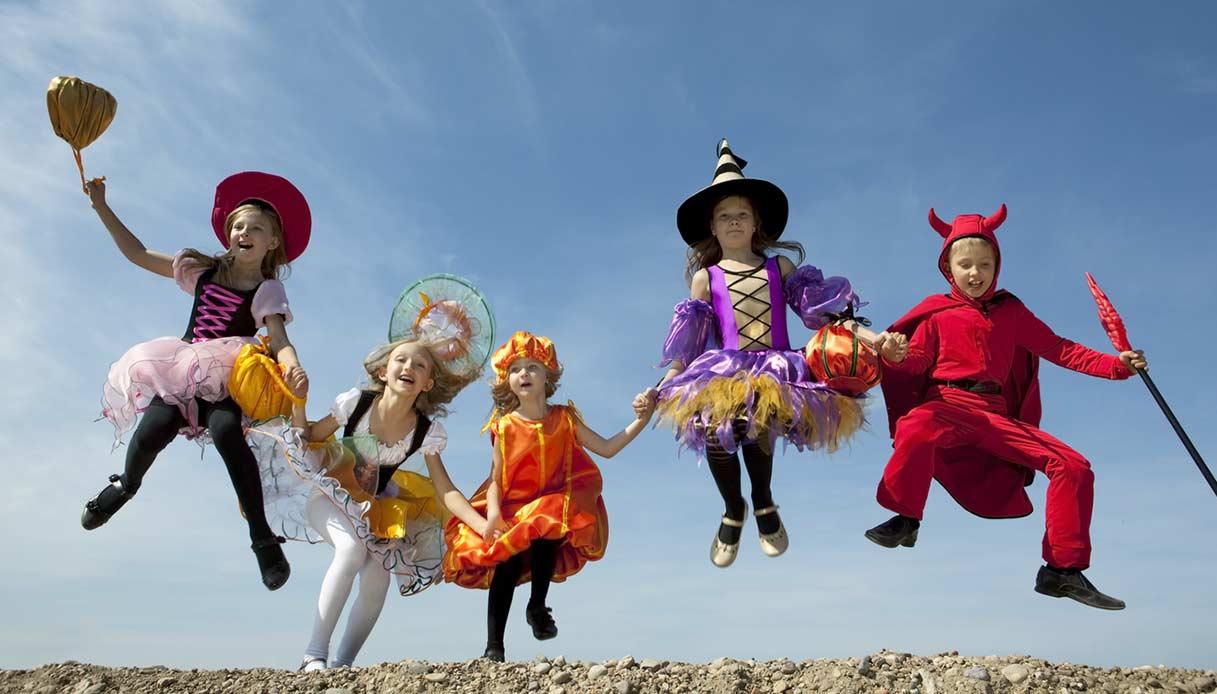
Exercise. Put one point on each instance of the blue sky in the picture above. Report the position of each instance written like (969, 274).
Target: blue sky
(541, 149)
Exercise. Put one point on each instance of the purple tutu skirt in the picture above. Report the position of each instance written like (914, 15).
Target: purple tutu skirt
(772, 392)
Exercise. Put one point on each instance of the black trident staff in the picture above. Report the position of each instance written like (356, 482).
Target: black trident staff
(1114, 326)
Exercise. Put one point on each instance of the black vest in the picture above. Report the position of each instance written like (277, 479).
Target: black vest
(420, 432)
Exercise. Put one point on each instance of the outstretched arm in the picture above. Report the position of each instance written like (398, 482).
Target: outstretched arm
(644, 407)
(132, 248)
(452, 497)
(1038, 338)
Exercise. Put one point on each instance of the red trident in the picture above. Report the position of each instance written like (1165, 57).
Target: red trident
(1114, 326)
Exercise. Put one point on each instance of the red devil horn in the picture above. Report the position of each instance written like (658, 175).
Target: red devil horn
(940, 226)
(991, 223)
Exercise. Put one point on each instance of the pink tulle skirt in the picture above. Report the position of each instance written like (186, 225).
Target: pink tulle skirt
(176, 371)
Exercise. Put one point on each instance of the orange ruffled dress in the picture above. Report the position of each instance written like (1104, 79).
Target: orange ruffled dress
(550, 491)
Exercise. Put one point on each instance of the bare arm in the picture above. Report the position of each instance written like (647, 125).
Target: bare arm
(452, 497)
(284, 351)
(131, 247)
(494, 493)
(644, 407)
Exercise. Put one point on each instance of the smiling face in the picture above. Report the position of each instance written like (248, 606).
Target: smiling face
(408, 371)
(252, 234)
(973, 266)
(733, 223)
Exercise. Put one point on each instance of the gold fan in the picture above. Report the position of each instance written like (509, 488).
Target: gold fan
(80, 113)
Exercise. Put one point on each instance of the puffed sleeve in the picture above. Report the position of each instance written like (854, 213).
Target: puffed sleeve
(692, 324)
(344, 405)
(436, 439)
(186, 272)
(813, 297)
(270, 299)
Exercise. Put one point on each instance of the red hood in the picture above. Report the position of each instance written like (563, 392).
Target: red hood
(966, 225)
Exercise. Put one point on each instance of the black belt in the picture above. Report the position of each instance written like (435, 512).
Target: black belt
(985, 387)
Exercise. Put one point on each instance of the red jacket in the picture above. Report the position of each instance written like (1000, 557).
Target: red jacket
(994, 338)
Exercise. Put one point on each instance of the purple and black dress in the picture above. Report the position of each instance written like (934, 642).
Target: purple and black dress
(754, 382)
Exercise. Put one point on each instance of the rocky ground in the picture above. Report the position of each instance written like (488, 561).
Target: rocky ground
(882, 673)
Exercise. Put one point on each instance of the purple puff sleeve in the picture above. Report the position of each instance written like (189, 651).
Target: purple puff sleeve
(692, 325)
(813, 296)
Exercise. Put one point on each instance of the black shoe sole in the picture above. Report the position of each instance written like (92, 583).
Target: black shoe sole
(1052, 593)
(891, 543)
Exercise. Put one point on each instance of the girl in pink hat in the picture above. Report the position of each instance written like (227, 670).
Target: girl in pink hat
(180, 384)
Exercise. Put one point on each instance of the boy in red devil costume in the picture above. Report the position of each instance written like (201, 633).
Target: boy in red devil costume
(963, 406)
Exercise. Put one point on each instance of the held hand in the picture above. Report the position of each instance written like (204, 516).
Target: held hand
(297, 381)
(494, 529)
(1133, 360)
(893, 347)
(96, 189)
(644, 404)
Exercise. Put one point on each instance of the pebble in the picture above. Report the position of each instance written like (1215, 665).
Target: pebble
(542, 668)
(650, 664)
(625, 687)
(435, 676)
(781, 686)
(416, 667)
(977, 673)
(789, 668)
(563, 677)
(864, 668)
(166, 682)
(559, 661)
(338, 690)
(626, 662)
(1015, 673)
(595, 672)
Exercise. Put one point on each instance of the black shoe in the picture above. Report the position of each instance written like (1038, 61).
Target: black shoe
(542, 622)
(271, 561)
(107, 502)
(895, 531)
(494, 653)
(1072, 584)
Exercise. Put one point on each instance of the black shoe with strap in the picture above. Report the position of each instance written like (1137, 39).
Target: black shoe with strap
(1070, 583)
(542, 622)
(100, 508)
(897, 531)
(494, 652)
(271, 561)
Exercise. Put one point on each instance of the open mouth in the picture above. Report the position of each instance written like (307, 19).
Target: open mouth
(404, 378)
(244, 245)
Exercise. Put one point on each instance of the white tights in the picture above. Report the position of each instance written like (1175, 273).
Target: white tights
(351, 558)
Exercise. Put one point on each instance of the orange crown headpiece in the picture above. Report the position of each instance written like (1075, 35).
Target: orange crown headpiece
(524, 345)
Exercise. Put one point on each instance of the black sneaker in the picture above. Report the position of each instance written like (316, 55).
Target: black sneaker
(100, 508)
(896, 531)
(542, 622)
(494, 653)
(271, 561)
(1073, 585)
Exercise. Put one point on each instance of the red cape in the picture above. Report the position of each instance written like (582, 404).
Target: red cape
(982, 484)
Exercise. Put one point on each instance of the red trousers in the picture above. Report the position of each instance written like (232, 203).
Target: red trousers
(961, 418)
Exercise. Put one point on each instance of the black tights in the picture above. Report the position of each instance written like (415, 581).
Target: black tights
(160, 424)
(725, 467)
(543, 557)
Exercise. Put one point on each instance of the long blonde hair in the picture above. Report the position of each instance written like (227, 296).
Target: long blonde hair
(274, 263)
(708, 252)
(447, 383)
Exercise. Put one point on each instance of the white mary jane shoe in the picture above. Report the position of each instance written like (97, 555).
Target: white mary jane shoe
(722, 554)
(312, 664)
(776, 543)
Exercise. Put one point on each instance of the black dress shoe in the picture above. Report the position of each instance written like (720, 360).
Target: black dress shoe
(271, 561)
(542, 622)
(896, 531)
(1072, 584)
(107, 502)
(494, 653)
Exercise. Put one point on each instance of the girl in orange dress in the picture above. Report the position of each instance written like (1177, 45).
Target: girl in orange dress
(544, 515)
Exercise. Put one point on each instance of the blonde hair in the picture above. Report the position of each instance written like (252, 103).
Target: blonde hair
(446, 383)
(506, 401)
(274, 263)
(708, 252)
(969, 242)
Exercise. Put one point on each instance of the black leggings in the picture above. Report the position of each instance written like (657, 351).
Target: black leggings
(725, 468)
(542, 556)
(160, 424)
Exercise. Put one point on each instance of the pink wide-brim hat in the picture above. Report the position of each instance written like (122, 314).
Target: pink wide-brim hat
(278, 192)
